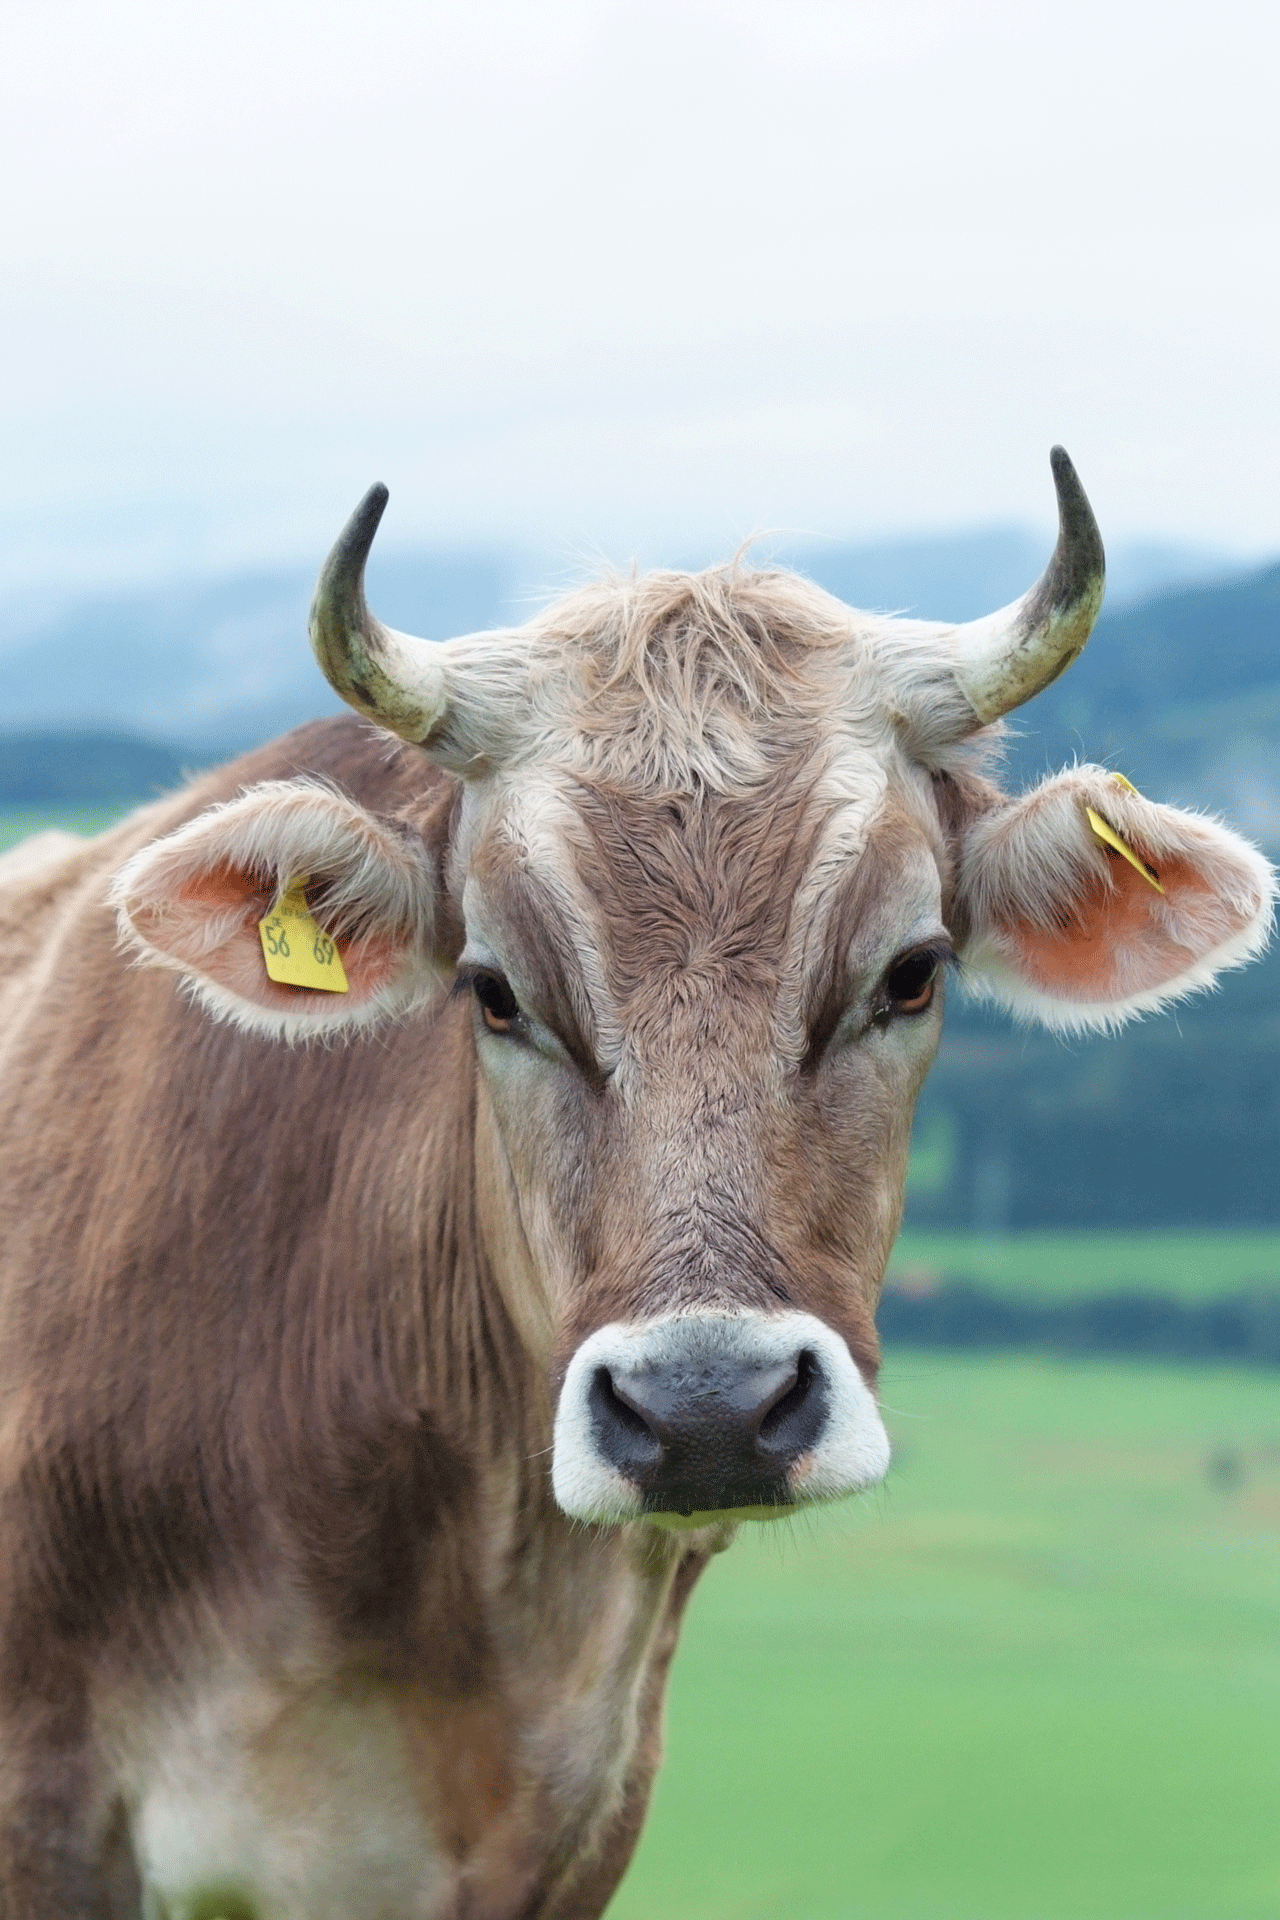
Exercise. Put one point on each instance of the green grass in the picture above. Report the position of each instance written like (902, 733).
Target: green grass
(1054, 1264)
(17, 822)
(1038, 1677)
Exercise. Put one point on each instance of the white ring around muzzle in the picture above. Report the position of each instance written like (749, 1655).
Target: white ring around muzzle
(850, 1453)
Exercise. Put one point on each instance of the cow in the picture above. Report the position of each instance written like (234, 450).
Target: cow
(386, 1349)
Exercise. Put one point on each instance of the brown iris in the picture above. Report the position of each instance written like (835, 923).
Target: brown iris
(499, 1007)
(912, 981)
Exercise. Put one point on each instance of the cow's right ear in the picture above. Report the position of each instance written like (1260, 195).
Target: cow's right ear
(195, 901)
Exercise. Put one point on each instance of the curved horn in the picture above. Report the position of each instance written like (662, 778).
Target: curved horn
(1004, 659)
(388, 676)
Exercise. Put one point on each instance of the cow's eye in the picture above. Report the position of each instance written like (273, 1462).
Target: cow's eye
(498, 1005)
(912, 981)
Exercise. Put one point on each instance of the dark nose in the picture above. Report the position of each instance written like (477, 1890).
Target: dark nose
(708, 1437)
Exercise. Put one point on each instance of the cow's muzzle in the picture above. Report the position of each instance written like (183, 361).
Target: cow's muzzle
(696, 1416)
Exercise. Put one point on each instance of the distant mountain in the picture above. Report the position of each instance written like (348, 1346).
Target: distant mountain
(966, 575)
(1173, 1122)
(216, 666)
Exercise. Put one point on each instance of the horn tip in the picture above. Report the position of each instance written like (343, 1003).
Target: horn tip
(365, 520)
(345, 564)
(1080, 541)
(1066, 480)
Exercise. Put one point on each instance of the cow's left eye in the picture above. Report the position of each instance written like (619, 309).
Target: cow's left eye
(912, 981)
(498, 1005)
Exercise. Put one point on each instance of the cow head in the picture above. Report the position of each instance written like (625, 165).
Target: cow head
(712, 846)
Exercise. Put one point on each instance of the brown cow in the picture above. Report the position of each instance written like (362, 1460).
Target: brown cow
(370, 1408)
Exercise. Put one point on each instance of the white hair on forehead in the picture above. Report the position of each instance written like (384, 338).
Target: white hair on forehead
(679, 682)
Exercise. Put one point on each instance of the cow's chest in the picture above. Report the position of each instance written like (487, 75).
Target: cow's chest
(259, 1806)
(335, 1795)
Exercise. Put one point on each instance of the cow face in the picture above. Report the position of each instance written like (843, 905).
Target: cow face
(717, 842)
(702, 1024)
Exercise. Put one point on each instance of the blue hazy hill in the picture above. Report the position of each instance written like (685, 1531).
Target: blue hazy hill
(210, 667)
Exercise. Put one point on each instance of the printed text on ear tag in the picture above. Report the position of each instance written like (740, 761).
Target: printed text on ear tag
(298, 953)
(1110, 838)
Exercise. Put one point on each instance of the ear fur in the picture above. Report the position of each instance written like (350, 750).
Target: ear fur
(1067, 932)
(192, 902)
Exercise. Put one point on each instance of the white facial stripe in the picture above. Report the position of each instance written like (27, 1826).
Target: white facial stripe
(856, 802)
(852, 1450)
(538, 819)
(909, 916)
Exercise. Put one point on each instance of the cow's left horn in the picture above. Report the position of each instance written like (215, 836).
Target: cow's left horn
(388, 676)
(1005, 659)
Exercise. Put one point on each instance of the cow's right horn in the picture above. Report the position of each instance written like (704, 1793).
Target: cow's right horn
(389, 677)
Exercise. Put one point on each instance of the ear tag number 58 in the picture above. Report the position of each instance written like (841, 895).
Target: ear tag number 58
(298, 953)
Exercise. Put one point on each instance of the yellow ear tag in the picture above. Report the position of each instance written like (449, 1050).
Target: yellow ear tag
(298, 953)
(1109, 837)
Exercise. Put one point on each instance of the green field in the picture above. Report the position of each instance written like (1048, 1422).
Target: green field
(1037, 1677)
(1052, 1265)
(17, 822)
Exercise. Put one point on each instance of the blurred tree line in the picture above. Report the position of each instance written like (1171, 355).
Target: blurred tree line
(1175, 1121)
(62, 767)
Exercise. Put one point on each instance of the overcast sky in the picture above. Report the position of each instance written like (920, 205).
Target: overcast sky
(636, 277)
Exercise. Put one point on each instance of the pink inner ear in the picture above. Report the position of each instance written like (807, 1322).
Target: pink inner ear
(224, 887)
(1127, 938)
(210, 923)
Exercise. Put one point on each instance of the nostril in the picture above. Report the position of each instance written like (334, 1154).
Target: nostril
(796, 1418)
(620, 1408)
(623, 1433)
(789, 1395)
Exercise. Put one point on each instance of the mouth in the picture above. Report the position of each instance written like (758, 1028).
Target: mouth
(717, 1517)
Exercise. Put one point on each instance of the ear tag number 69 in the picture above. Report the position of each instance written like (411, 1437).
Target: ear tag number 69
(297, 952)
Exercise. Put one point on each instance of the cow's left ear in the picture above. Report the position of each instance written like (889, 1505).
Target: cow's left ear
(1087, 904)
(349, 903)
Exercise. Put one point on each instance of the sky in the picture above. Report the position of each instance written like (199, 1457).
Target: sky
(632, 279)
